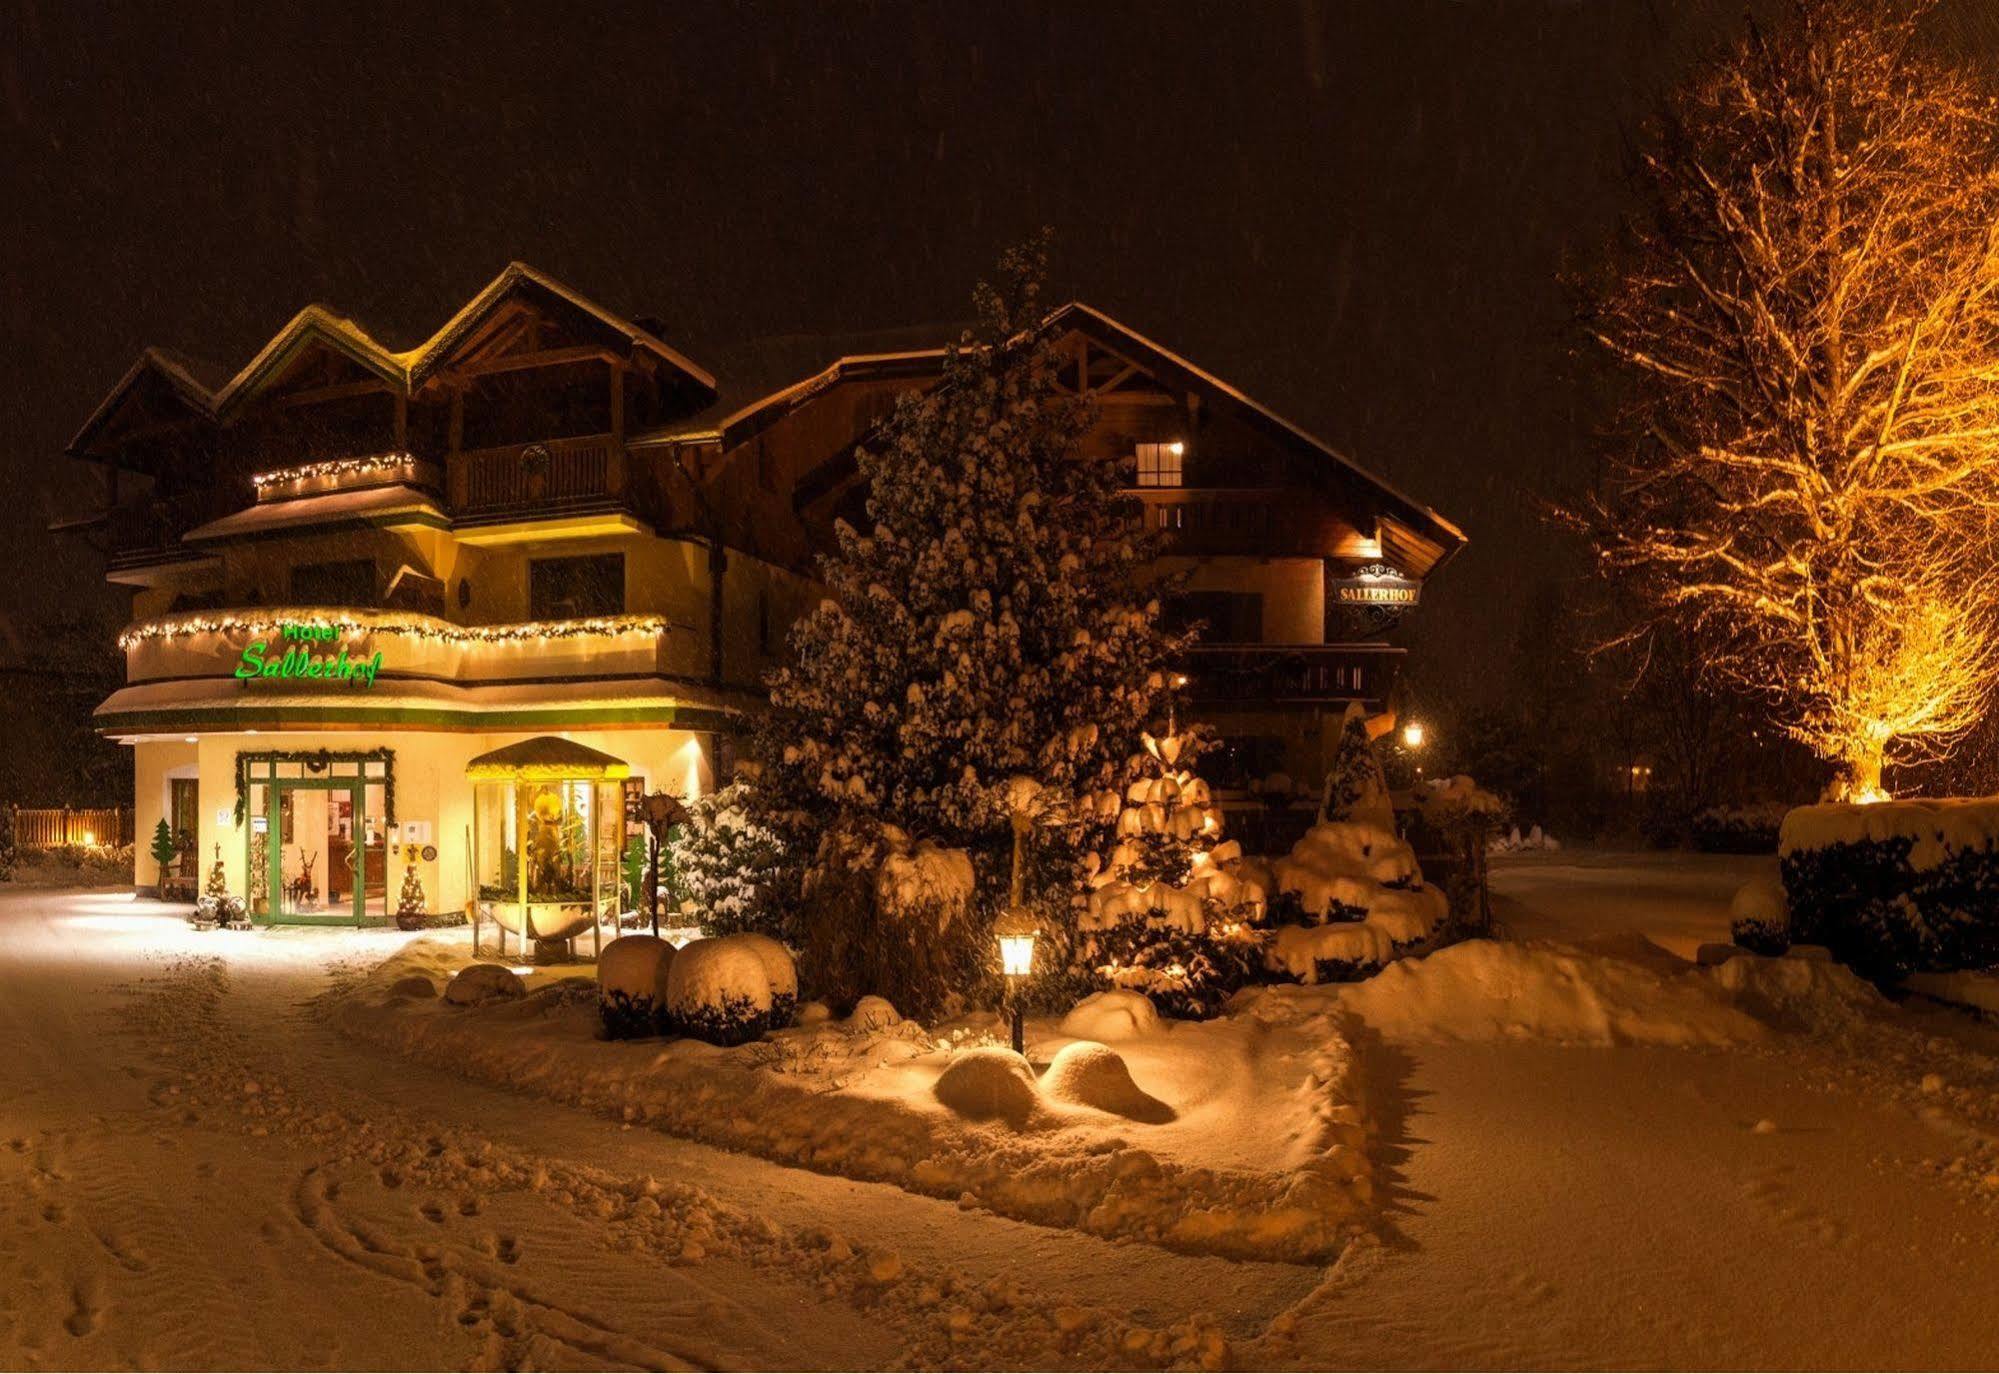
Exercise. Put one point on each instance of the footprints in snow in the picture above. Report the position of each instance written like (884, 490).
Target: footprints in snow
(1771, 1191)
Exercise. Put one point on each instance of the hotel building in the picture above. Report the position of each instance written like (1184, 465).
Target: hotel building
(541, 546)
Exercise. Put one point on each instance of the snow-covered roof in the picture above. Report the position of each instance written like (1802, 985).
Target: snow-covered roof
(403, 370)
(547, 756)
(225, 703)
(391, 505)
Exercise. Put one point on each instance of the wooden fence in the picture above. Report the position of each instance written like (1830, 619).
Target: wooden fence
(50, 827)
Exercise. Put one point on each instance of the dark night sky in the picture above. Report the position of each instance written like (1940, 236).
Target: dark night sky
(1354, 211)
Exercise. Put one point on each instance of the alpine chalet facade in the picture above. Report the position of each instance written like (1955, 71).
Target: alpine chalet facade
(374, 590)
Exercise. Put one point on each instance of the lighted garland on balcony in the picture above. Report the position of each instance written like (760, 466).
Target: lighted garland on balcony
(318, 761)
(418, 627)
(332, 467)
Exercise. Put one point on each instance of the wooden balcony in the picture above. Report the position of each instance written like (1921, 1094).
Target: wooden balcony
(1283, 674)
(1256, 521)
(549, 478)
(149, 530)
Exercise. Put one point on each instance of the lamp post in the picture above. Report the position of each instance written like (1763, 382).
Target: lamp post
(1016, 931)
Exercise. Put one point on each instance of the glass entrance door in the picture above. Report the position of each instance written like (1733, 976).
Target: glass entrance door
(324, 853)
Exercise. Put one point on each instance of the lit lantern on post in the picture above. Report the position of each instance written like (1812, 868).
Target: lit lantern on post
(1412, 735)
(1016, 931)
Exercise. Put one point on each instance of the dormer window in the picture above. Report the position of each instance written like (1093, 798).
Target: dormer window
(1159, 465)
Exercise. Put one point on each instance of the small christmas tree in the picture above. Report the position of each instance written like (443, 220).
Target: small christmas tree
(163, 850)
(1356, 789)
(218, 877)
(412, 906)
(1168, 915)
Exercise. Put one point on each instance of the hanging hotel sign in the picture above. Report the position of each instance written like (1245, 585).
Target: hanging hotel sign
(1377, 584)
(301, 658)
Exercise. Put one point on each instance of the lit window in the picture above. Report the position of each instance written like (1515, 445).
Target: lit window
(1159, 464)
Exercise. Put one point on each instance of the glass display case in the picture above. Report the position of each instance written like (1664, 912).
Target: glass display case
(547, 835)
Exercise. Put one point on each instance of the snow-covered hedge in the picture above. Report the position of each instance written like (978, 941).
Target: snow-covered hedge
(1748, 829)
(730, 990)
(1355, 900)
(1895, 887)
(632, 978)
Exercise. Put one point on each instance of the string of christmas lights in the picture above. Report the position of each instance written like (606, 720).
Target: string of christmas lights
(331, 467)
(357, 622)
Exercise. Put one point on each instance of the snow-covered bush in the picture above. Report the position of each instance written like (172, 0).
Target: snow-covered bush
(892, 916)
(1514, 842)
(780, 972)
(1895, 887)
(1757, 918)
(731, 866)
(1750, 829)
(632, 985)
(726, 990)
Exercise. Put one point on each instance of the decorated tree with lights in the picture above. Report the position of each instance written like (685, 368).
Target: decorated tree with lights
(1168, 916)
(412, 905)
(1809, 319)
(988, 621)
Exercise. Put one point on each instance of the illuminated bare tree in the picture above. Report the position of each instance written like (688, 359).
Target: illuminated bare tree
(1809, 317)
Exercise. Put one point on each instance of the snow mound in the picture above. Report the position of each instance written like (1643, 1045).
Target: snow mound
(414, 985)
(1486, 990)
(1087, 1074)
(873, 1014)
(1759, 918)
(1806, 993)
(477, 984)
(987, 1082)
(1118, 1014)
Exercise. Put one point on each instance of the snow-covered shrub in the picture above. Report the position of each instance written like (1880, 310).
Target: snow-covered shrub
(730, 865)
(1355, 899)
(632, 984)
(1356, 788)
(477, 984)
(1172, 913)
(891, 916)
(987, 1082)
(1757, 918)
(780, 972)
(1748, 829)
(1514, 842)
(1895, 887)
(1087, 1074)
(872, 1014)
(1115, 1014)
(721, 990)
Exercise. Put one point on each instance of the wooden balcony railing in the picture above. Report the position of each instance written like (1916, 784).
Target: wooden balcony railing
(1242, 520)
(150, 530)
(556, 476)
(1252, 674)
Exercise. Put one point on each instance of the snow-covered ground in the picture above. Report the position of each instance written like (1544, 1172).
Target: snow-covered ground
(1581, 1157)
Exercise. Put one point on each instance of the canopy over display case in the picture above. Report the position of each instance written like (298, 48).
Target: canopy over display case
(547, 833)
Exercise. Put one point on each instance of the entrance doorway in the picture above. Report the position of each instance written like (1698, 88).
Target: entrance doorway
(318, 850)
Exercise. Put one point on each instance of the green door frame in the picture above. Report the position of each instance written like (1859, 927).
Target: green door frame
(274, 856)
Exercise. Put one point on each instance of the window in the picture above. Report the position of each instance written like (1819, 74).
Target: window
(1229, 617)
(1159, 464)
(573, 588)
(347, 583)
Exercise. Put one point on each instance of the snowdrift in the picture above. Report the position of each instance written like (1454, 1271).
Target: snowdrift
(1231, 1137)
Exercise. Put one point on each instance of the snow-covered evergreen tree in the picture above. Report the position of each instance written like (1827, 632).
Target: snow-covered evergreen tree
(990, 621)
(730, 866)
(1168, 913)
(1356, 788)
